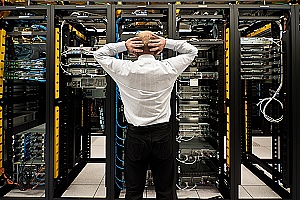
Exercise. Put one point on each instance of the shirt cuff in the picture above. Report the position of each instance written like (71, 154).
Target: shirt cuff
(170, 44)
(121, 47)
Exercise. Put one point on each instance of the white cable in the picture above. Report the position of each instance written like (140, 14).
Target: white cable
(186, 158)
(61, 35)
(273, 97)
(96, 75)
(186, 163)
(181, 188)
(68, 73)
(186, 140)
(83, 51)
(193, 187)
(178, 139)
(186, 187)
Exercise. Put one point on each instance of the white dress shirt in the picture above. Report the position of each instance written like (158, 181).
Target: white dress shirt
(146, 84)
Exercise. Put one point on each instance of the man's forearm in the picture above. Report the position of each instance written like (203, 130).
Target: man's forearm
(181, 46)
(187, 53)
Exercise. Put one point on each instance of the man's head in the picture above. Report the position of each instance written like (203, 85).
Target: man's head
(145, 37)
(145, 42)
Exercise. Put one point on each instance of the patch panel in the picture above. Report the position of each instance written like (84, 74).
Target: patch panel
(256, 41)
(260, 58)
(261, 77)
(192, 106)
(96, 82)
(197, 154)
(264, 69)
(194, 127)
(81, 61)
(29, 144)
(193, 110)
(82, 50)
(200, 181)
(187, 135)
(194, 88)
(86, 71)
(33, 70)
(193, 95)
(198, 75)
(194, 114)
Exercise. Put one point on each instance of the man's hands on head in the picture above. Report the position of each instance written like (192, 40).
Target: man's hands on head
(157, 44)
(134, 45)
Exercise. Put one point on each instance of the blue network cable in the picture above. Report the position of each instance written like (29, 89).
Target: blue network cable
(121, 160)
(120, 138)
(120, 145)
(122, 181)
(117, 125)
(120, 187)
(37, 26)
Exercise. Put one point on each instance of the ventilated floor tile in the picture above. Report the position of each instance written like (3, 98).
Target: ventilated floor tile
(149, 193)
(27, 193)
(261, 192)
(263, 141)
(248, 178)
(84, 191)
(91, 174)
(182, 194)
(101, 192)
(243, 194)
(262, 152)
(98, 140)
(208, 193)
(98, 151)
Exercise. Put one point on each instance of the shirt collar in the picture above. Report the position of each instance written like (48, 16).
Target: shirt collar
(146, 56)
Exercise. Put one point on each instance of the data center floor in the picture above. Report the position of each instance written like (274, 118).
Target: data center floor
(90, 183)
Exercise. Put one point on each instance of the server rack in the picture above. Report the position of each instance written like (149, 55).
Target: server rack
(23, 82)
(265, 78)
(84, 101)
(205, 27)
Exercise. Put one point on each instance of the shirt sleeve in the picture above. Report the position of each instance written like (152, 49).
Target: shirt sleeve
(105, 56)
(187, 53)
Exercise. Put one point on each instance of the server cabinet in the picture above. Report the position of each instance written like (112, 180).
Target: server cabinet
(265, 71)
(24, 44)
(200, 100)
(83, 100)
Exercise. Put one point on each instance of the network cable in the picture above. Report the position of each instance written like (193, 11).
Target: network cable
(186, 187)
(267, 100)
(39, 27)
(117, 125)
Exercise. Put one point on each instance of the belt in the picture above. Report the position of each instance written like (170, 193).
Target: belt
(132, 127)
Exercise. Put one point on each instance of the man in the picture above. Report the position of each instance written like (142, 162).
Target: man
(145, 87)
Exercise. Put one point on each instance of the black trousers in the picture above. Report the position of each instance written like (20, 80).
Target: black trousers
(149, 145)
